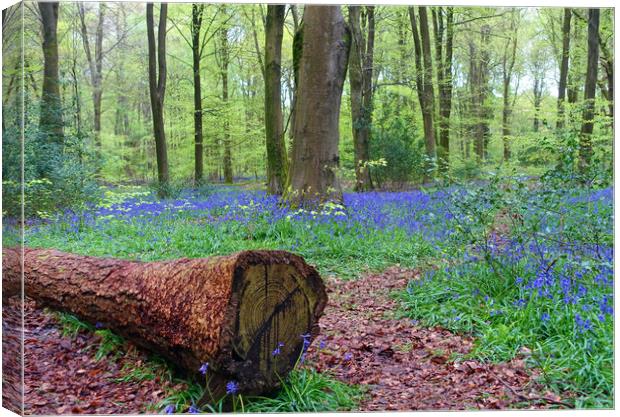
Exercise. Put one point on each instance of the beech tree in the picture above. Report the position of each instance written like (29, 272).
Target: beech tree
(277, 161)
(360, 78)
(321, 72)
(564, 65)
(508, 64)
(424, 76)
(50, 122)
(197, 12)
(224, 61)
(444, 41)
(157, 89)
(587, 126)
(95, 64)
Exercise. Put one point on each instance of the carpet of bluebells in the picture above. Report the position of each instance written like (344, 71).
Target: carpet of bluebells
(542, 287)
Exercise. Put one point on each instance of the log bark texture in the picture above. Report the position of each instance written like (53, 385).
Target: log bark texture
(230, 311)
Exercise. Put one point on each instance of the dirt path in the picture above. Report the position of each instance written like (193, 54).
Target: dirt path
(404, 366)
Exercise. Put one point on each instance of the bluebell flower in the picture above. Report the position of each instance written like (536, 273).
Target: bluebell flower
(232, 387)
(193, 409)
(203, 369)
(170, 408)
(277, 350)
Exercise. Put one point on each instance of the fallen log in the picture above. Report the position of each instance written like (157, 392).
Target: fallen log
(231, 312)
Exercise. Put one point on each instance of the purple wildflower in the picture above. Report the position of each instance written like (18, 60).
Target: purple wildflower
(232, 387)
(204, 367)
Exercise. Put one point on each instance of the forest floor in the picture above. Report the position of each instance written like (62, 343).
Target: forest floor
(401, 365)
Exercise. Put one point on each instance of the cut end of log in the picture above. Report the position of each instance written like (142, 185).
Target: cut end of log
(275, 304)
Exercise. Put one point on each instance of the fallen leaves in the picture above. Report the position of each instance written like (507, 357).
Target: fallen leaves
(407, 367)
(61, 375)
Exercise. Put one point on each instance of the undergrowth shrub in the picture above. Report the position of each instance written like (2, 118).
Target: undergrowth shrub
(534, 275)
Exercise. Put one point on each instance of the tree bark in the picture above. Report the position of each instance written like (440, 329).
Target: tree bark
(50, 122)
(227, 161)
(230, 311)
(321, 69)
(197, 11)
(564, 66)
(508, 63)
(157, 88)
(360, 79)
(444, 80)
(95, 64)
(277, 160)
(587, 126)
(424, 80)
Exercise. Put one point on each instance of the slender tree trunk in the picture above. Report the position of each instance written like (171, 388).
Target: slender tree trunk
(50, 122)
(538, 91)
(424, 81)
(444, 80)
(157, 87)
(587, 126)
(508, 63)
(564, 66)
(227, 161)
(484, 106)
(360, 78)
(322, 69)
(95, 66)
(277, 160)
(197, 12)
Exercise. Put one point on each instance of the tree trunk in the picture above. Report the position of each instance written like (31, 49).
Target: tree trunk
(360, 79)
(227, 161)
(197, 11)
(230, 311)
(322, 68)
(564, 66)
(444, 80)
(484, 91)
(95, 64)
(424, 80)
(157, 87)
(587, 126)
(50, 122)
(508, 63)
(277, 160)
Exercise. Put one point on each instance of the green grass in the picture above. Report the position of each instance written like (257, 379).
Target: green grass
(303, 390)
(478, 301)
(331, 247)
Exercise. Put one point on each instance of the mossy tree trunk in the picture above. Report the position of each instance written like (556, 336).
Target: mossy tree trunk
(157, 88)
(277, 160)
(360, 79)
(587, 126)
(50, 122)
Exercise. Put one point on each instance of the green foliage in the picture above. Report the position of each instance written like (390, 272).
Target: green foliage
(534, 277)
(56, 176)
(71, 325)
(398, 144)
(304, 390)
